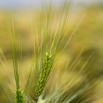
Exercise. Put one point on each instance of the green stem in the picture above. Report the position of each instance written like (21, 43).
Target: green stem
(37, 100)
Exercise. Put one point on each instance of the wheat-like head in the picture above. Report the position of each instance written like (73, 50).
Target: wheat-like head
(44, 74)
(19, 96)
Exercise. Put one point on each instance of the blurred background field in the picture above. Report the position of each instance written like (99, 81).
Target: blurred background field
(88, 37)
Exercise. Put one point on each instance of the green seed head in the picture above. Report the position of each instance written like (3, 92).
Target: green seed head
(44, 74)
(19, 96)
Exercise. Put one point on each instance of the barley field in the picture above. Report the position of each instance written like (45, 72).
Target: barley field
(52, 55)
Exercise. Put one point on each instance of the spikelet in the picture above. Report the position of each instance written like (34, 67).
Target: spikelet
(44, 74)
(19, 96)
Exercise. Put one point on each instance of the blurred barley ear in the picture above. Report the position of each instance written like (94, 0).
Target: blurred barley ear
(19, 96)
(46, 67)
(18, 92)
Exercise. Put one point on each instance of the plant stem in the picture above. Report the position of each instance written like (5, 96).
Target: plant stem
(37, 100)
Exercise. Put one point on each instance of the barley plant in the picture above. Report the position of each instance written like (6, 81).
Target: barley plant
(52, 77)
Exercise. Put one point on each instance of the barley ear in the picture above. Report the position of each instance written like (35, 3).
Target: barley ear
(46, 67)
(19, 96)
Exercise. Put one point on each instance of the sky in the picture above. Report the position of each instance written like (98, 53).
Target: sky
(17, 4)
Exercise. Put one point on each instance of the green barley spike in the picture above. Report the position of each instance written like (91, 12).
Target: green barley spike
(19, 96)
(44, 74)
